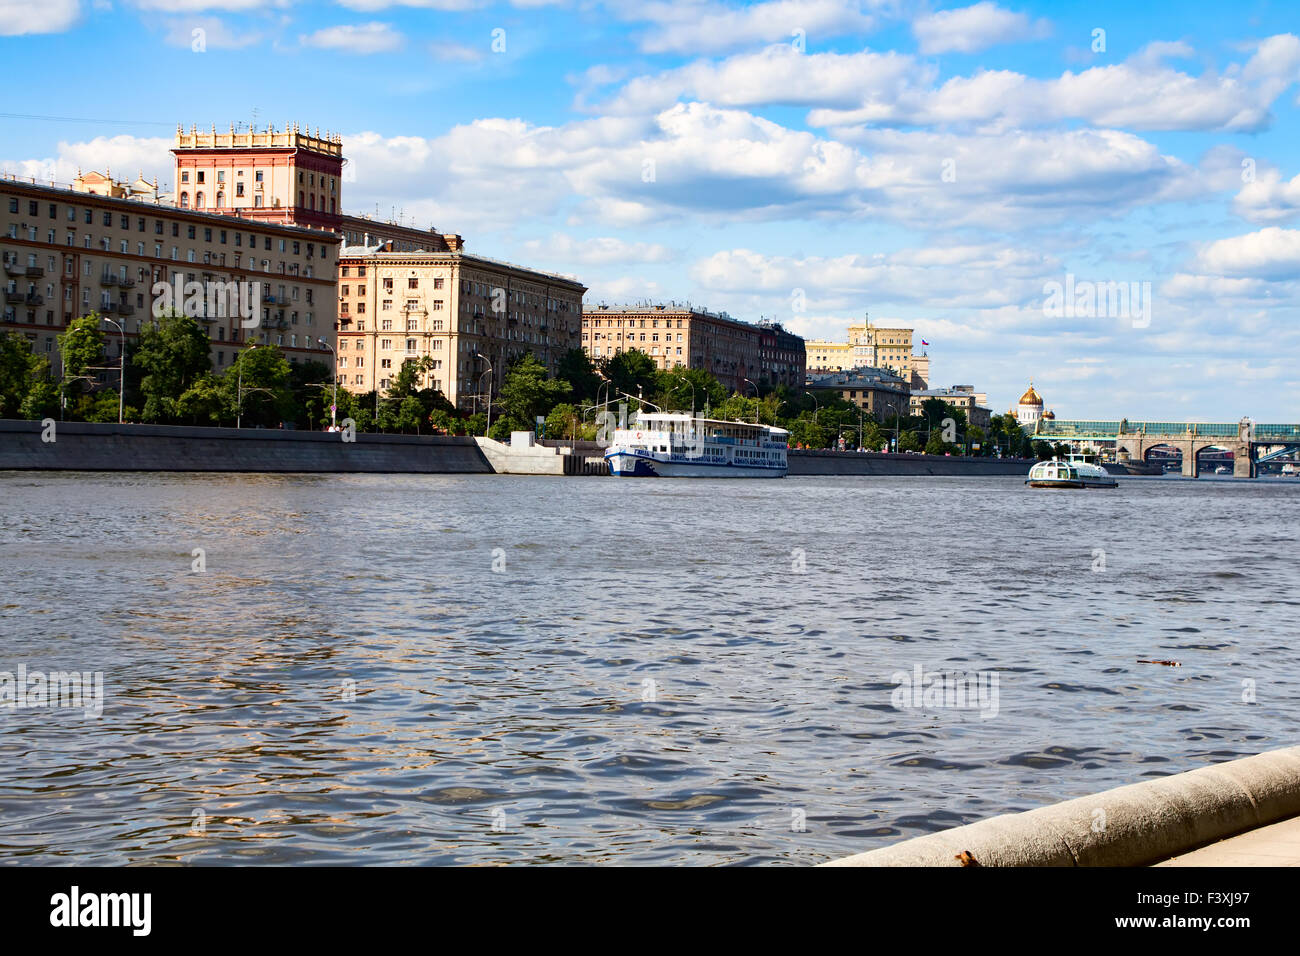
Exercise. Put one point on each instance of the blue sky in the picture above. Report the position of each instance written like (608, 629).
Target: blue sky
(937, 165)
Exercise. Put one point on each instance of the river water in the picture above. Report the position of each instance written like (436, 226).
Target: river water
(492, 669)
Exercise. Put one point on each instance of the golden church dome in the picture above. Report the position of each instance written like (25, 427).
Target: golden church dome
(1031, 397)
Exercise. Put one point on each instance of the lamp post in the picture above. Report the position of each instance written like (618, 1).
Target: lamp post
(334, 404)
(63, 401)
(488, 429)
(896, 418)
(239, 391)
(817, 406)
(757, 398)
(121, 380)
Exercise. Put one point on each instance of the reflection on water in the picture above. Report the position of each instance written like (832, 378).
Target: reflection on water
(655, 672)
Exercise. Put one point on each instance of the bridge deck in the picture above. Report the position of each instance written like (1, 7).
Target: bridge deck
(1261, 434)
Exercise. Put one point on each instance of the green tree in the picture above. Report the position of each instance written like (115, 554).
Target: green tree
(909, 441)
(209, 401)
(576, 368)
(527, 392)
(631, 372)
(562, 422)
(172, 354)
(677, 388)
(20, 372)
(266, 370)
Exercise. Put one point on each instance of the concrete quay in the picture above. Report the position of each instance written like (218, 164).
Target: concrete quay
(1168, 819)
(86, 446)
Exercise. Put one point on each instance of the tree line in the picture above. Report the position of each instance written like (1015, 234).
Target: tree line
(169, 379)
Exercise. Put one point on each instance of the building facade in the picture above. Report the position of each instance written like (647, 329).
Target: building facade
(871, 346)
(1029, 409)
(878, 392)
(286, 177)
(964, 397)
(734, 352)
(469, 315)
(70, 251)
(782, 358)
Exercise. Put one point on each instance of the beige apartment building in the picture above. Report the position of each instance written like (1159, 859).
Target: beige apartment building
(469, 315)
(103, 246)
(871, 346)
(875, 391)
(973, 403)
(674, 336)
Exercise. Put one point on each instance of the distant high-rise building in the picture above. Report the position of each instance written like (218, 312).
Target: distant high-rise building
(871, 346)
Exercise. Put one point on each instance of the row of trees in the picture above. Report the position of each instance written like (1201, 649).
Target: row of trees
(169, 379)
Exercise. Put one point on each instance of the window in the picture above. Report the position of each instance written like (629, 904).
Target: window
(410, 345)
(414, 283)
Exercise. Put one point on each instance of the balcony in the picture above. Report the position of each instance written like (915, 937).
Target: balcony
(13, 298)
(108, 308)
(35, 272)
(34, 299)
(15, 269)
(126, 283)
(108, 279)
(126, 308)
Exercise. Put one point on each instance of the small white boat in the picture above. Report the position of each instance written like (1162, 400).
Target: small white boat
(1077, 471)
(678, 445)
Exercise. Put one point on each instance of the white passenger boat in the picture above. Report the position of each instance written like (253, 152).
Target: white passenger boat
(678, 445)
(1077, 471)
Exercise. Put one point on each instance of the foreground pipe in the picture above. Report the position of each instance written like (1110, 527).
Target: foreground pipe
(1134, 825)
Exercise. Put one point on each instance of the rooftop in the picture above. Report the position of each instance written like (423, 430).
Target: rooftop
(864, 377)
(379, 252)
(231, 219)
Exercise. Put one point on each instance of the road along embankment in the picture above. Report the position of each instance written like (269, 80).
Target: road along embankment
(805, 462)
(83, 446)
(1136, 825)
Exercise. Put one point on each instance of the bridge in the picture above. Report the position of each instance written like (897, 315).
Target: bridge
(1250, 443)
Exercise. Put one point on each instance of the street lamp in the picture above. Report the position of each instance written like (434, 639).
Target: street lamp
(817, 406)
(488, 430)
(334, 405)
(121, 348)
(757, 399)
(239, 390)
(63, 401)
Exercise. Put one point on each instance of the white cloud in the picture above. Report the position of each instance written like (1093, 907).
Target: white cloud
(1268, 199)
(23, 18)
(683, 26)
(456, 53)
(604, 250)
(361, 38)
(198, 6)
(126, 156)
(971, 29)
(893, 89)
(1270, 253)
(216, 34)
(370, 6)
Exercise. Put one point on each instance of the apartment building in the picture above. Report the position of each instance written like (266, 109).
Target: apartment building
(469, 315)
(973, 403)
(871, 346)
(782, 358)
(69, 250)
(675, 336)
(878, 392)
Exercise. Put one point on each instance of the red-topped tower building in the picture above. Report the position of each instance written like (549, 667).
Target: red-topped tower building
(290, 177)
